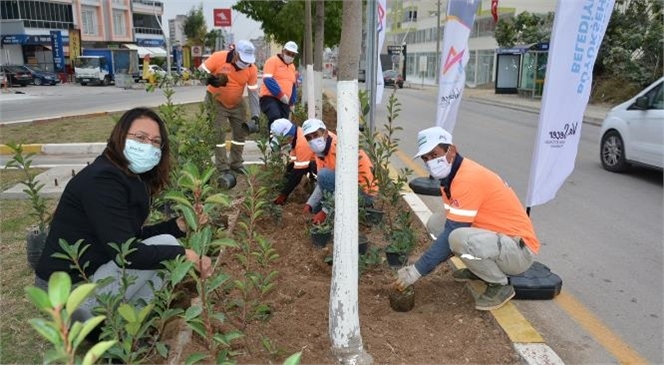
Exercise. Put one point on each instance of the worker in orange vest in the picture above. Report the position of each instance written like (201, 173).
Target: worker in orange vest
(302, 158)
(229, 73)
(279, 89)
(324, 144)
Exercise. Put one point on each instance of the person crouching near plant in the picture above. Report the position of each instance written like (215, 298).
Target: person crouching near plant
(107, 202)
(324, 144)
(486, 225)
(302, 158)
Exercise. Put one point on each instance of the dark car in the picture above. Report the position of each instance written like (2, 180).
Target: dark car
(391, 78)
(17, 75)
(42, 77)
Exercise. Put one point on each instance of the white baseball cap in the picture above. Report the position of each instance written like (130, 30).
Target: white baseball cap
(312, 125)
(429, 138)
(281, 126)
(246, 51)
(291, 46)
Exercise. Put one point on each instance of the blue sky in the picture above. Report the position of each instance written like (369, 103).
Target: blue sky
(243, 27)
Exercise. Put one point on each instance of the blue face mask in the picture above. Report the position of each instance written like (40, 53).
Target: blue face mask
(142, 157)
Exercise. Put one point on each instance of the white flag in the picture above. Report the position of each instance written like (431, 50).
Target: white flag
(453, 60)
(578, 30)
(381, 16)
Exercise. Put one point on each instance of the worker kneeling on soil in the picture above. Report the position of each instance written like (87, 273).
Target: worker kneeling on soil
(324, 144)
(486, 225)
(302, 158)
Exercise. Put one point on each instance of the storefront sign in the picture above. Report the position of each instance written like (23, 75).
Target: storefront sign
(150, 42)
(74, 43)
(26, 39)
(58, 51)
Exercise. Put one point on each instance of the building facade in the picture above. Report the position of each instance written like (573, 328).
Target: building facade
(414, 23)
(26, 26)
(175, 32)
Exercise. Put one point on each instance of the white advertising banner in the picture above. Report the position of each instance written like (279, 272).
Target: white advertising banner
(453, 60)
(381, 17)
(578, 30)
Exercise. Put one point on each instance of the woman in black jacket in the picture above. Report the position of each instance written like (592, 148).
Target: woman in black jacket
(109, 202)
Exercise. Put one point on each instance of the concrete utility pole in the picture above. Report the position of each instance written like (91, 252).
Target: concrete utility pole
(370, 71)
(438, 45)
(168, 46)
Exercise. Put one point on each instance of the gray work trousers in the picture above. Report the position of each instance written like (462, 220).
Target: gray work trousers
(490, 255)
(139, 289)
(235, 116)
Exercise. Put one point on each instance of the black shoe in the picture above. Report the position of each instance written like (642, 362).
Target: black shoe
(240, 170)
(227, 180)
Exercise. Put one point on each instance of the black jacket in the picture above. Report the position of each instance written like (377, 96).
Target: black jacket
(102, 204)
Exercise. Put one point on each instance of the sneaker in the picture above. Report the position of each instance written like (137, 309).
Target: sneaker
(494, 297)
(464, 275)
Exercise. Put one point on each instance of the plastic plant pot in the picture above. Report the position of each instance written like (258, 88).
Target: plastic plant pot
(402, 301)
(321, 239)
(374, 216)
(36, 240)
(363, 244)
(395, 259)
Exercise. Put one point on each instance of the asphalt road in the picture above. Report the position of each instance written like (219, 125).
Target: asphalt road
(602, 233)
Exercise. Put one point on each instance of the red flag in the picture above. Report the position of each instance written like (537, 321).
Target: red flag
(494, 10)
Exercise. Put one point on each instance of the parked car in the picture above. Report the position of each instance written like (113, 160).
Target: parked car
(391, 78)
(183, 72)
(42, 77)
(154, 69)
(633, 132)
(17, 75)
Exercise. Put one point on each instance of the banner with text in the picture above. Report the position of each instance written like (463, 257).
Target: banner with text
(58, 51)
(381, 16)
(453, 60)
(578, 30)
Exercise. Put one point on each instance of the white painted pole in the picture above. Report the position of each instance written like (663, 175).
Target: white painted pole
(344, 313)
(311, 97)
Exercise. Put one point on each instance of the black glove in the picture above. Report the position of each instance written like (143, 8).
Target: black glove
(217, 81)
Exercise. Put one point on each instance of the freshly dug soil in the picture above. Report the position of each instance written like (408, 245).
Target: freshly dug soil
(442, 328)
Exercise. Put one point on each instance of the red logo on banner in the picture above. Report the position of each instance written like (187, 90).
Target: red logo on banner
(222, 17)
(494, 10)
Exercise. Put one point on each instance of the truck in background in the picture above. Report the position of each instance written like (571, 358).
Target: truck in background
(101, 65)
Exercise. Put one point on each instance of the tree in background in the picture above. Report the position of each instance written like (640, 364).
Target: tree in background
(194, 26)
(211, 39)
(525, 28)
(284, 21)
(632, 48)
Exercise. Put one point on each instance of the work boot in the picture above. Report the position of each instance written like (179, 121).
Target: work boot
(464, 275)
(227, 180)
(494, 297)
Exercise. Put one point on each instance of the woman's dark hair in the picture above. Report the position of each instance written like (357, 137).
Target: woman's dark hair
(157, 178)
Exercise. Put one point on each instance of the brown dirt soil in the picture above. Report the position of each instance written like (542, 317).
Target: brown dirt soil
(442, 328)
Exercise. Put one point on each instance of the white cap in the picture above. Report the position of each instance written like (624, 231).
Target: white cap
(281, 126)
(429, 138)
(246, 51)
(291, 46)
(312, 125)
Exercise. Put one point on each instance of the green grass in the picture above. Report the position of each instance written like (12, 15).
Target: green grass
(70, 130)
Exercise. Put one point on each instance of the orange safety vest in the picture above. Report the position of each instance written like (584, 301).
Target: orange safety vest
(365, 176)
(301, 154)
(230, 95)
(480, 197)
(282, 73)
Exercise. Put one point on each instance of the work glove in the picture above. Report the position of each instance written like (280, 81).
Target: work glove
(281, 199)
(284, 99)
(319, 218)
(406, 276)
(217, 81)
(307, 209)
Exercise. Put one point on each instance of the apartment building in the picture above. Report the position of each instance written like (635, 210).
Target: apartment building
(175, 32)
(415, 22)
(26, 25)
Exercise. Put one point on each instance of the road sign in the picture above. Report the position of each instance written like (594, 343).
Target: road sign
(393, 50)
(222, 17)
(197, 51)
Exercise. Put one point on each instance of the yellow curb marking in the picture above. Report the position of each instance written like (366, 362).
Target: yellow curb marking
(27, 148)
(518, 329)
(601, 333)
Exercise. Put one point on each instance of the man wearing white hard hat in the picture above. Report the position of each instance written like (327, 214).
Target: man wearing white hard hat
(279, 89)
(229, 73)
(324, 145)
(486, 225)
(302, 158)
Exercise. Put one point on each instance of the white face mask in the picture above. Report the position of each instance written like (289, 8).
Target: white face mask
(318, 145)
(241, 65)
(439, 168)
(142, 157)
(288, 59)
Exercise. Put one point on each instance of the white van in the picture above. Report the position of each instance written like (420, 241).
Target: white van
(633, 132)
